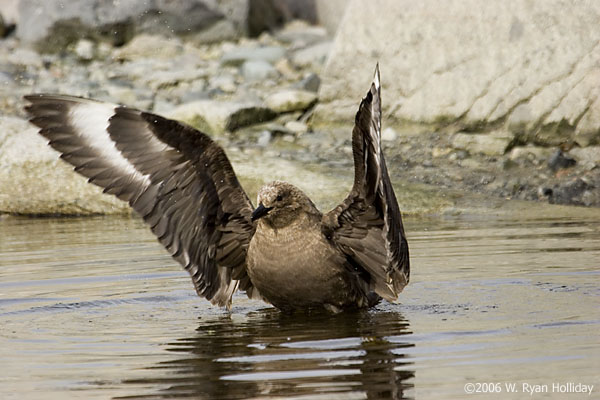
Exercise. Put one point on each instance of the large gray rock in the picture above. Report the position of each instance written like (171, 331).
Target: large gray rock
(530, 66)
(52, 24)
(215, 117)
(33, 180)
(330, 13)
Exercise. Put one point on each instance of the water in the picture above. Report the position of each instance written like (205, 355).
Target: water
(94, 308)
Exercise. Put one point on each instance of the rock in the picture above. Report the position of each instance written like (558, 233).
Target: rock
(389, 135)
(258, 70)
(3, 27)
(315, 55)
(481, 66)
(35, 181)
(25, 57)
(571, 192)
(224, 82)
(589, 157)
(290, 100)
(491, 144)
(559, 160)
(296, 127)
(52, 26)
(311, 83)
(160, 79)
(303, 10)
(264, 139)
(287, 70)
(300, 34)
(6, 79)
(588, 128)
(591, 197)
(84, 49)
(330, 13)
(9, 12)
(266, 15)
(438, 152)
(215, 117)
(532, 153)
(150, 46)
(238, 56)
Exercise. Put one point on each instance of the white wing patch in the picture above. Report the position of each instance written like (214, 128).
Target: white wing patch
(91, 120)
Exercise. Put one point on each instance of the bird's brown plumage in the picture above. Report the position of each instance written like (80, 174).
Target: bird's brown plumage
(182, 184)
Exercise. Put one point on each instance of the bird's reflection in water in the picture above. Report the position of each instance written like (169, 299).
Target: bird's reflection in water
(270, 354)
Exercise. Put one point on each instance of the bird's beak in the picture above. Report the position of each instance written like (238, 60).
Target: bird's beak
(260, 211)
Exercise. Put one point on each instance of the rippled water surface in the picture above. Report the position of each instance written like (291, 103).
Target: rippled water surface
(94, 308)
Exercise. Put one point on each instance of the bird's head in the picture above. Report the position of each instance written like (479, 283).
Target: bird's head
(280, 203)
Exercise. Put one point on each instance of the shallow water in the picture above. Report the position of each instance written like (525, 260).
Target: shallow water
(94, 308)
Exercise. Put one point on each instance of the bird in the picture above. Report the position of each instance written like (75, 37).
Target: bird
(284, 251)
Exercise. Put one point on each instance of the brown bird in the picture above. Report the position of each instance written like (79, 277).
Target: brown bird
(284, 251)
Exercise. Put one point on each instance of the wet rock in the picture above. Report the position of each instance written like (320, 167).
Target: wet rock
(314, 55)
(290, 100)
(311, 83)
(572, 192)
(544, 75)
(559, 160)
(215, 117)
(238, 56)
(257, 70)
(35, 181)
(491, 144)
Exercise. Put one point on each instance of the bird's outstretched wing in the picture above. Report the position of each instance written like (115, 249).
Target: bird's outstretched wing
(174, 176)
(367, 225)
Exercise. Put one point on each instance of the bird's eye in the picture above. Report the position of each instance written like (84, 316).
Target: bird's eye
(279, 198)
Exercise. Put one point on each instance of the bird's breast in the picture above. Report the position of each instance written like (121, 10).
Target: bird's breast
(296, 266)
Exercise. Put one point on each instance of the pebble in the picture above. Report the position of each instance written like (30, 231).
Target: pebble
(258, 70)
(315, 55)
(389, 135)
(290, 100)
(264, 138)
(296, 127)
(311, 83)
(559, 160)
(238, 56)
(85, 50)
